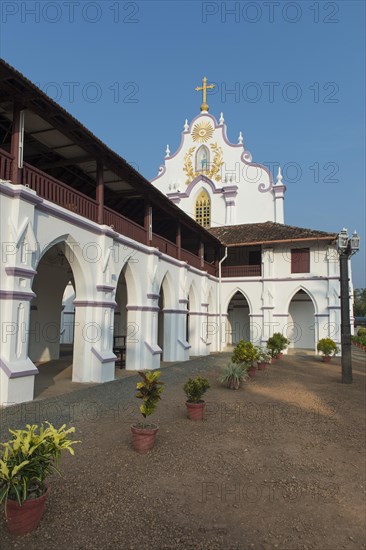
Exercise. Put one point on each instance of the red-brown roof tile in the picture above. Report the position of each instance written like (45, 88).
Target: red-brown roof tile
(267, 232)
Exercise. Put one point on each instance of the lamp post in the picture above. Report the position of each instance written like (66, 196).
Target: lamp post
(346, 246)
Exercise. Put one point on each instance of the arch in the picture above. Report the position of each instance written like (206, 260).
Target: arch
(238, 326)
(74, 256)
(200, 179)
(202, 161)
(167, 286)
(202, 208)
(210, 301)
(301, 329)
(192, 306)
(132, 277)
(192, 296)
(307, 291)
(125, 329)
(52, 338)
(237, 289)
(165, 302)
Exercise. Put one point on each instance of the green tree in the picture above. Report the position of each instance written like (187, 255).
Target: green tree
(359, 306)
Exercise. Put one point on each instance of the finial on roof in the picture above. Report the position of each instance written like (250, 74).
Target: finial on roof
(204, 88)
(279, 176)
(240, 139)
(186, 125)
(167, 152)
(222, 120)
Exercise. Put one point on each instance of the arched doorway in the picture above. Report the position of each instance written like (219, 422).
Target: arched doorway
(161, 305)
(211, 331)
(51, 333)
(194, 326)
(120, 326)
(301, 331)
(238, 319)
(191, 307)
(68, 316)
(166, 330)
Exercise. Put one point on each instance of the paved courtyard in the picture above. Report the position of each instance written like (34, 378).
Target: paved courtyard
(278, 464)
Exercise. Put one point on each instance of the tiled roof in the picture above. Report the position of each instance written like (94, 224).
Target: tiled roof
(267, 232)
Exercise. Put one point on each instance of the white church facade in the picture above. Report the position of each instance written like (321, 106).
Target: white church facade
(93, 252)
(209, 173)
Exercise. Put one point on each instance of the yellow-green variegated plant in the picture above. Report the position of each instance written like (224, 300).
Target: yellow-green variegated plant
(29, 457)
(149, 391)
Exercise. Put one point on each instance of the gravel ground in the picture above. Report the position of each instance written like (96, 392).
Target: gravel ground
(276, 464)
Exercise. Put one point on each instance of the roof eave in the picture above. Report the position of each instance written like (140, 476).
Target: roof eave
(279, 241)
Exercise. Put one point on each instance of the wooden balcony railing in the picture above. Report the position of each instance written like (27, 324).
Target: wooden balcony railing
(192, 259)
(241, 270)
(124, 225)
(6, 162)
(59, 193)
(211, 269)
(164, 245)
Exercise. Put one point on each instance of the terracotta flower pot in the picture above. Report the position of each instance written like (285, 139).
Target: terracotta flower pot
(233, 384)
(26, 518)
(143, 439)
(252, 372)
(262, 365)
(326, 358)
(195, 411)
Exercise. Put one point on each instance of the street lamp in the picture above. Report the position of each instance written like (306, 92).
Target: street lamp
(346, 246)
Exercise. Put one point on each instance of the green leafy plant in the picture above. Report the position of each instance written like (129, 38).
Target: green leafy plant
(362, 339)
(361, 331)
(245, 352)
(149, 391)
(276, 344)
(233, 375)
(195, 388)
(327, 346)
(29, 458)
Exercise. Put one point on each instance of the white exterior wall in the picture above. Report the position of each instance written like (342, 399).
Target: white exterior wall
(269, 296)
(97, 256)
(240, 191)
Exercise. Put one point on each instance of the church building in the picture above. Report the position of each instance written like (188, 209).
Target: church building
(215, 181)
(97, 258)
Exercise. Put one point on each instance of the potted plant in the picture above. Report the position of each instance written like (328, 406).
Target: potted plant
(233, 375)
(276, 344)
(246, 354)
(264, 358)
(149, 390)
(194, 389)
(29, 457)
(328, 347)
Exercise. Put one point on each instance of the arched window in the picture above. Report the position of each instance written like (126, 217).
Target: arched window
(202, 159)
(203, 209)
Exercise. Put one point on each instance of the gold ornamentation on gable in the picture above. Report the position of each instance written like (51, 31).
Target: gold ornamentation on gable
(188, 165)
(212, 171)
(202, 132)
(216, 163)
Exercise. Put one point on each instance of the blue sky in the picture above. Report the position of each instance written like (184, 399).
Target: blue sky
(127, 70)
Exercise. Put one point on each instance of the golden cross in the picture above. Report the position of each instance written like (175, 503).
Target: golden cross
(204, 88)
